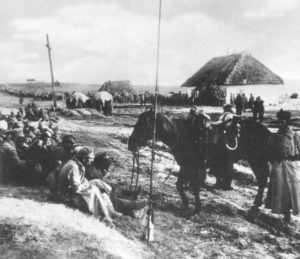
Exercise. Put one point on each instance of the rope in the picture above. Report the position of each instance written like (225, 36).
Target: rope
(133, 169)
(151, 211)
(136, 158)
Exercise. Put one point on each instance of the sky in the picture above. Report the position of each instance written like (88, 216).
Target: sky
(98, 40)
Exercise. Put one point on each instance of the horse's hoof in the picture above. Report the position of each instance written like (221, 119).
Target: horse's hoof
(252, 214)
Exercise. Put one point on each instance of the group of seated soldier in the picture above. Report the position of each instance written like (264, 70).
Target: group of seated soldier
(31, 152)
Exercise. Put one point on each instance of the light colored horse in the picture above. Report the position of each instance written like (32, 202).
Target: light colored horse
(104, 101)
(80, 98)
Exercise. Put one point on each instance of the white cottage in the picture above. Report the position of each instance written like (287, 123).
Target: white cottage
(238, 73)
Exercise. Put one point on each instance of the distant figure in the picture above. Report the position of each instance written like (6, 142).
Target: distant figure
(251, 101)
(21, 100)
(258, 109)
(245, 102)
(231, 99)
(142, 100)
(239, 104)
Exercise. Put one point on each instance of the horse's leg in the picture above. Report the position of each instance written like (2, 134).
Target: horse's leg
(195, 185)
(179, 185)
(217, 171)
(261, 171)
(227, 173)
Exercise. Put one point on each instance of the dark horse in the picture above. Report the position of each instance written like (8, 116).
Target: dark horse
(188, 153)
(241, 139)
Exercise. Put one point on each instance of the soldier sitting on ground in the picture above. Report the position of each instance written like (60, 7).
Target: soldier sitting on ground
(88, 196)
(124, 200)
(12, 166)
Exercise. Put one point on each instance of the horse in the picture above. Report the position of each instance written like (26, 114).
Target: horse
(243, 139)
(188, 153)
(103, 101)
(79, 99)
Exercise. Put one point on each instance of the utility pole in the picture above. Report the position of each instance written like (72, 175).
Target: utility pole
(51, 71)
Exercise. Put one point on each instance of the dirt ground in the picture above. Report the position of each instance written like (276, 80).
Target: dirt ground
(220, 231)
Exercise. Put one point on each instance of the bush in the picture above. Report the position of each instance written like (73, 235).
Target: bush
(294, 96)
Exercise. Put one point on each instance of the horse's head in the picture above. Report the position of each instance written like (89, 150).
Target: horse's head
(143, 130)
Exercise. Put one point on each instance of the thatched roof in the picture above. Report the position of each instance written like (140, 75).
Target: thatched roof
(235, 69)
(117, 86)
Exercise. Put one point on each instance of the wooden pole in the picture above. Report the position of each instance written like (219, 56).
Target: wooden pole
(51, 71)
(150, 212)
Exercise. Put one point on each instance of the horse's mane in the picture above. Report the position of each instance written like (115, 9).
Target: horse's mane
(166, 122)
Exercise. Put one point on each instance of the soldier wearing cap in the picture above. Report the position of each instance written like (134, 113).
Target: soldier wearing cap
(124, 200)
(284, 189)
(258, 109)
(77, 191)
(47, 139)
(227, 115)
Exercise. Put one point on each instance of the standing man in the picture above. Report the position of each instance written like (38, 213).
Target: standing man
(245, 102)
(239, 104)
(284, 189)
(258, 109)
(251, 101)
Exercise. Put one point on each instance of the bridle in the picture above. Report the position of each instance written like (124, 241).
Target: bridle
(234, 135)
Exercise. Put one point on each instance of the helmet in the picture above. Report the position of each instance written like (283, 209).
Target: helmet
(284, 115)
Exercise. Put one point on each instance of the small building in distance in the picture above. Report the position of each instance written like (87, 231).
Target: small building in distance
(238, 73)
(30, 81)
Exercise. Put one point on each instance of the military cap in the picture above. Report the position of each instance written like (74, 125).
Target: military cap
(284, 115)
(68, 139)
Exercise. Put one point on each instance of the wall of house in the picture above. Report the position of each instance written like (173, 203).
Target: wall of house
(269, 93)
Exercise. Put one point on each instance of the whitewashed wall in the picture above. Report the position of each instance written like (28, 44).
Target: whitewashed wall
(269, 93)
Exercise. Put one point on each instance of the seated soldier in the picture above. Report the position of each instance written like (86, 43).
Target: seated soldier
(119, 196)
(47, 139)
(78, 192)
(57, 157)
(64, 150)
(12, 167)
(44, 123)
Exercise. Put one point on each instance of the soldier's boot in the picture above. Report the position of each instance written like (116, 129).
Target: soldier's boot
(129, 207)
(127, 193)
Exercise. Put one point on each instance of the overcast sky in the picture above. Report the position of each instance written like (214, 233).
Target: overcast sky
(98, 40)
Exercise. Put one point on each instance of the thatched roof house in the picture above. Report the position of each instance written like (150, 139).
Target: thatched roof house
(238, 73)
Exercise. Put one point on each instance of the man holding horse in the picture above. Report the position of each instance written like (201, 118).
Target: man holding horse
(284, 189)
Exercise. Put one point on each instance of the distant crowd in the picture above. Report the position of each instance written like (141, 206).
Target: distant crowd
(242, 103)
(36, 96)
